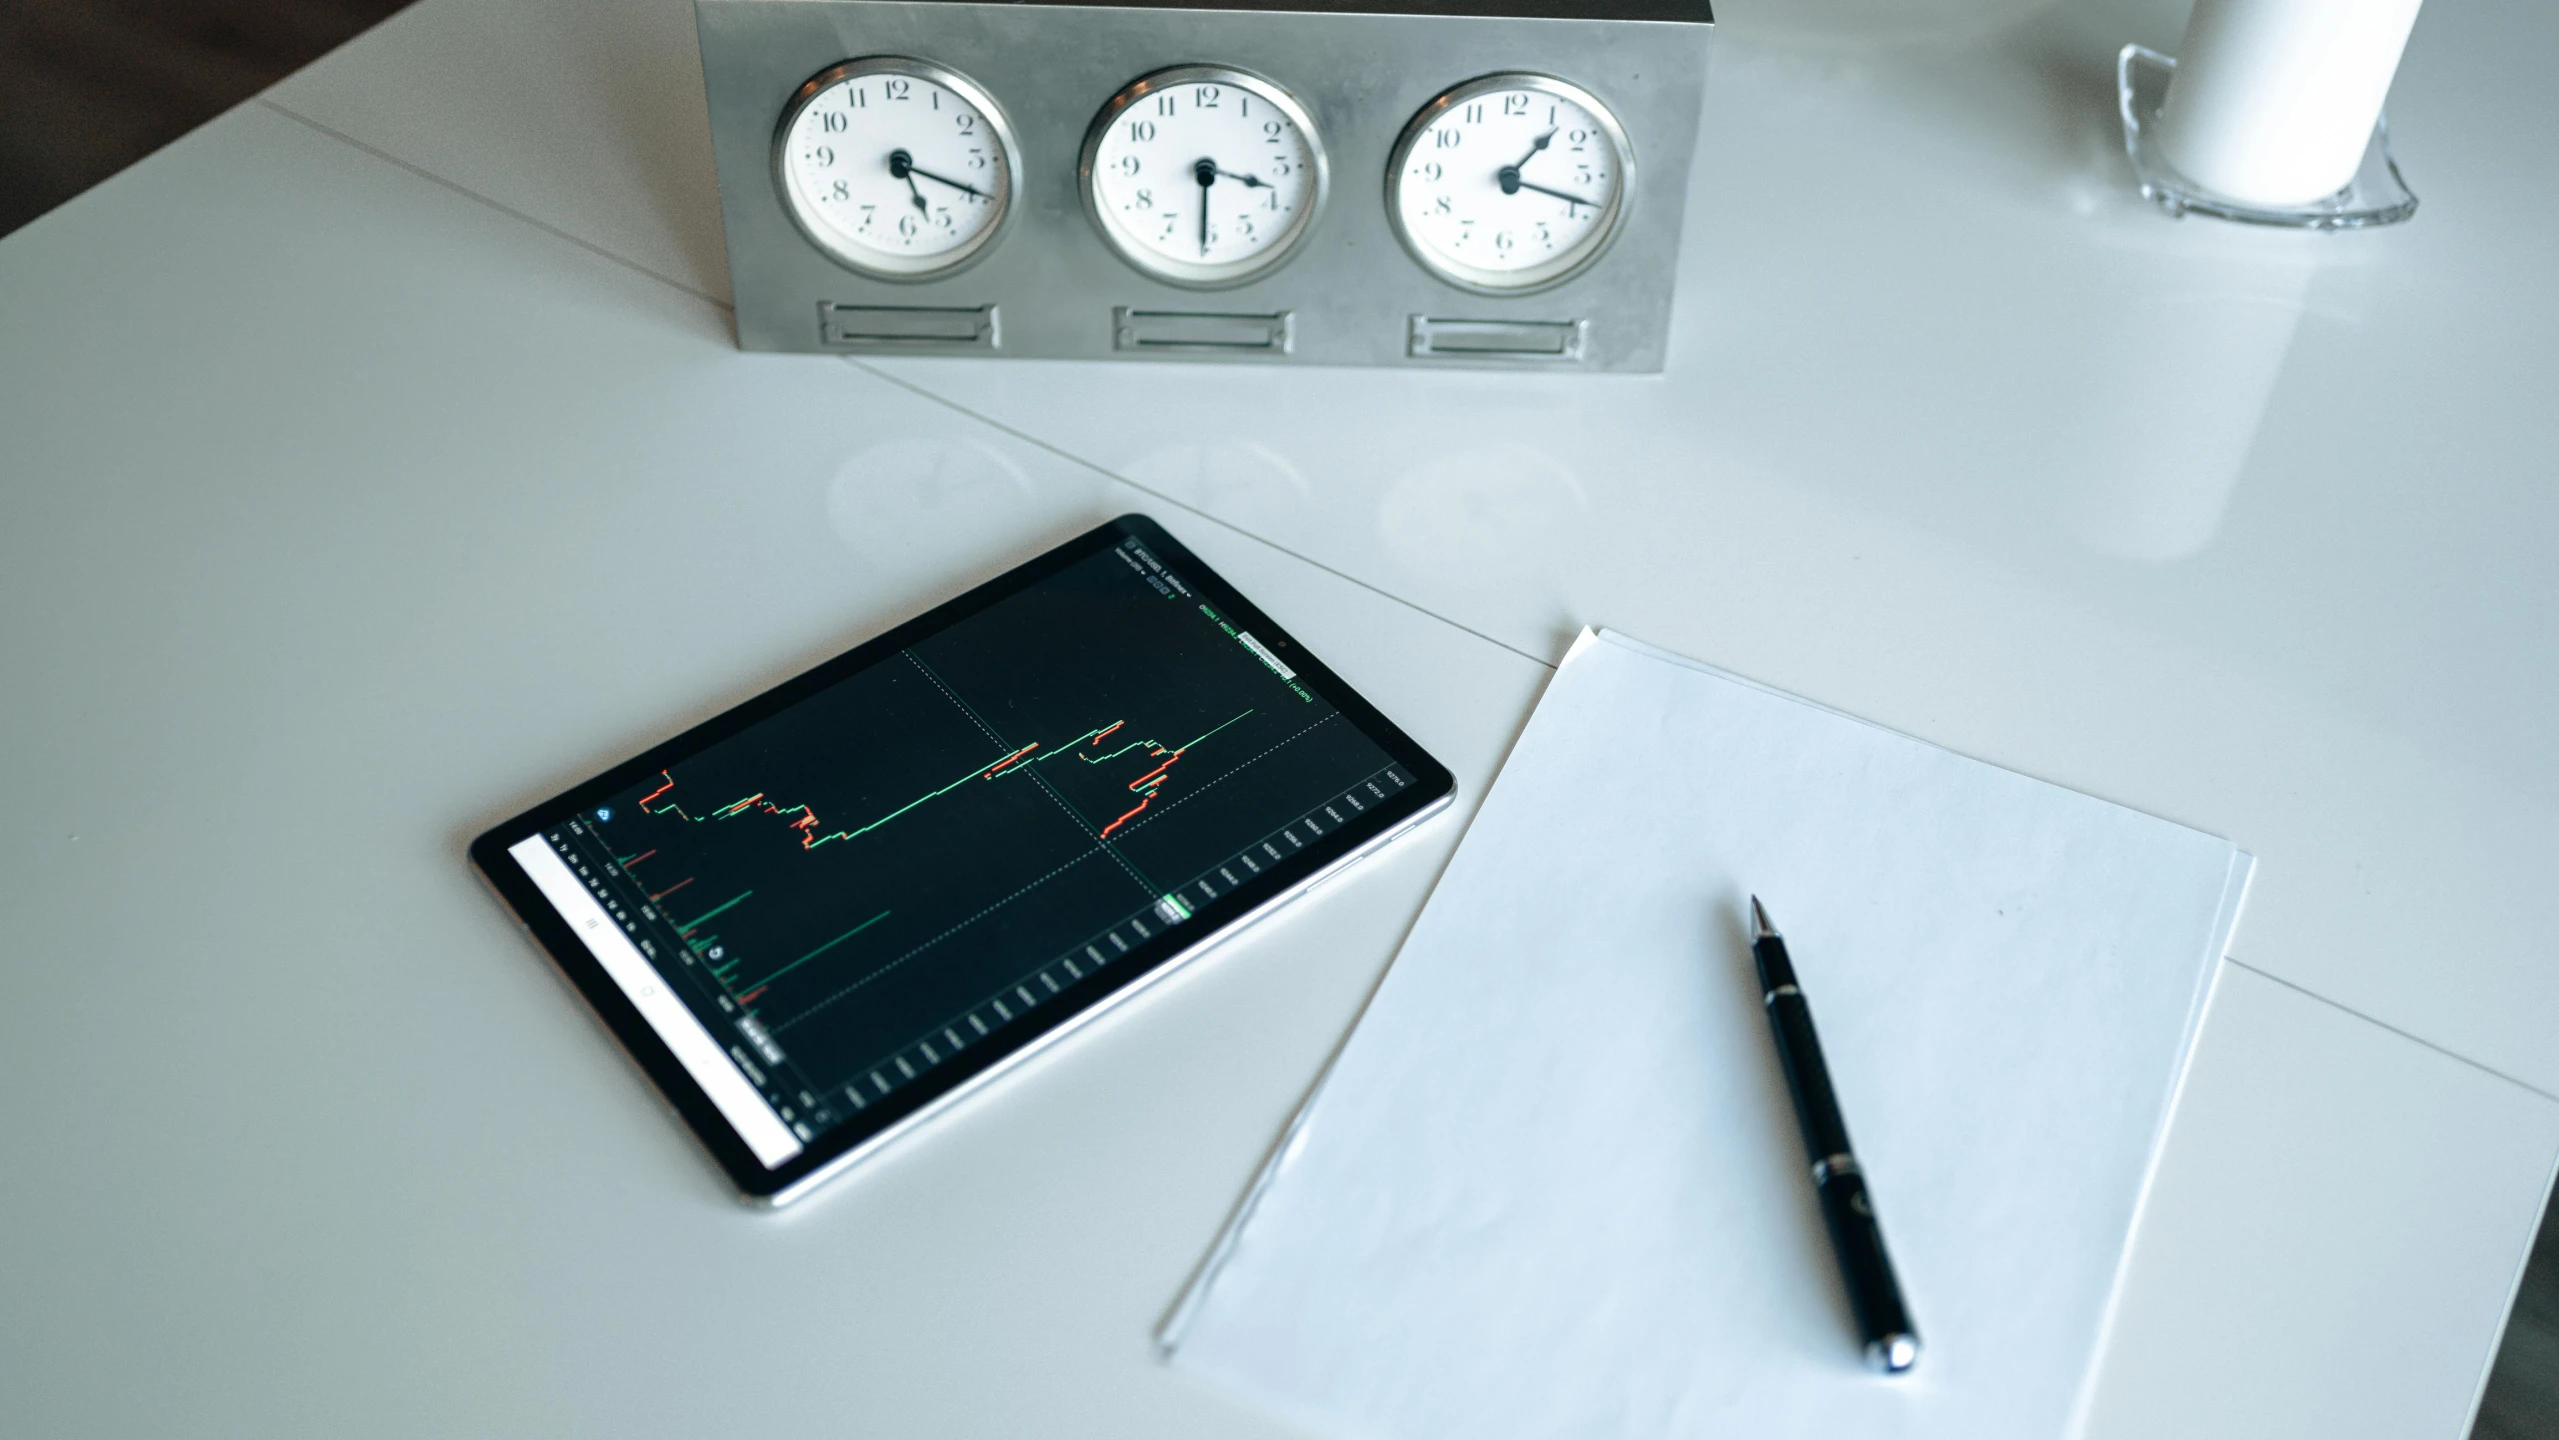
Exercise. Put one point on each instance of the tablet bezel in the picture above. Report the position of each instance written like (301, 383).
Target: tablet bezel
(865, 1133)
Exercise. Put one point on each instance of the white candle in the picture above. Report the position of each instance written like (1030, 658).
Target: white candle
(2274, 101)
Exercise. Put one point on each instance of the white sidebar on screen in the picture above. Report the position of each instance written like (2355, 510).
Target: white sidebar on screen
(701, 1056)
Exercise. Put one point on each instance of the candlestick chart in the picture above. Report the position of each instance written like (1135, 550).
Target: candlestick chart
(858, 870)
(1093, 748)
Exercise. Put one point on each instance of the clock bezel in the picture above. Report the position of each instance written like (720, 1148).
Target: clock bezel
(948, 263)
(1189, 275)
(1476, 279)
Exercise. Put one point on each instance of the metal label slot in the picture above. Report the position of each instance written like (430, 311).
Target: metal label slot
(1498, 339)
(1201, 330)
(904, 326)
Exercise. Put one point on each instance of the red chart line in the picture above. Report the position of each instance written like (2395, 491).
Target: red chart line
(805, 820)
(1150, 784)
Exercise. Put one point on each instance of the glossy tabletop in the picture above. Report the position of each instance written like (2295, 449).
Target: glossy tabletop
(377, 460)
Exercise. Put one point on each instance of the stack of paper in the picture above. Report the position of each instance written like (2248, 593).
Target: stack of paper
(1552, 1186)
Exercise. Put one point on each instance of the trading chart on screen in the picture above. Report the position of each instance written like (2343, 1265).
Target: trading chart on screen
(931, 855)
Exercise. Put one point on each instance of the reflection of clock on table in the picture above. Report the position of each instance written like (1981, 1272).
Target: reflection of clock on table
(1353, 184)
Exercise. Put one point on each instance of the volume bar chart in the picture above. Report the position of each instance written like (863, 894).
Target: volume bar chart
(1024, 995)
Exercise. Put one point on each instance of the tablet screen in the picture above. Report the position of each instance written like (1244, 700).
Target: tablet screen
(941, 853)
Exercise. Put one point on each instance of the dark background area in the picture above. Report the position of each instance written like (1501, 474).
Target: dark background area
(87, 87)
(2523, 1391)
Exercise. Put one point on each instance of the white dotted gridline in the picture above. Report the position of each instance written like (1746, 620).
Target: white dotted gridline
(1229, 775)
(1051, 875)
(936, 940)
(1027, 889)
(1021, 988)
(1000, 743)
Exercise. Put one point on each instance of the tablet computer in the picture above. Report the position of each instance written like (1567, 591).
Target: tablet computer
(829, 912)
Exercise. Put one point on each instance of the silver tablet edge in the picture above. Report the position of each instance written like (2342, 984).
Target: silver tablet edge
(648, 1082)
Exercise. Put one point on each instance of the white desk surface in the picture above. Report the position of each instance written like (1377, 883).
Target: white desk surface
(376, 460)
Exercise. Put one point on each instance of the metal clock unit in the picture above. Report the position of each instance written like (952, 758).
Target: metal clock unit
(1345, 182)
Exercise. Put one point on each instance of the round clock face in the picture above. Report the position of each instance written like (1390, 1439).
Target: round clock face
(1510, 182)
(1203, 176)
(895, 167)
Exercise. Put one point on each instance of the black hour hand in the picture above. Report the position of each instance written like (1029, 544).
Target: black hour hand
(902, 167)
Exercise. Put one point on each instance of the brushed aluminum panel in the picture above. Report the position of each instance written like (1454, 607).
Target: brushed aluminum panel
(1352, 291)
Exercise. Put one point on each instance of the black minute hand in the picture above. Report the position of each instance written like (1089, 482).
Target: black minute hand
(1513, 185)
(963, 188)
(1206, 173)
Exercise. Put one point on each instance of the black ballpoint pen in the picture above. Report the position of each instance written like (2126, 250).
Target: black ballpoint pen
(1892, 1341)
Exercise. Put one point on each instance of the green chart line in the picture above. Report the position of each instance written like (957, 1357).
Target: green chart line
(1145, 786)
(698, 920)
(804, 820)
(1157, 746)
(762, 984)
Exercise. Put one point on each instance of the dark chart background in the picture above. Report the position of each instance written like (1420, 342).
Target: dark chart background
(914, 861)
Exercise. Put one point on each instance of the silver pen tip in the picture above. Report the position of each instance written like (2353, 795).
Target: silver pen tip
(1760, 929)
(1894, 1354)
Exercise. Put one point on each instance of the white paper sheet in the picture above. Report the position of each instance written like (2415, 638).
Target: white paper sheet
(1552, 1186)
